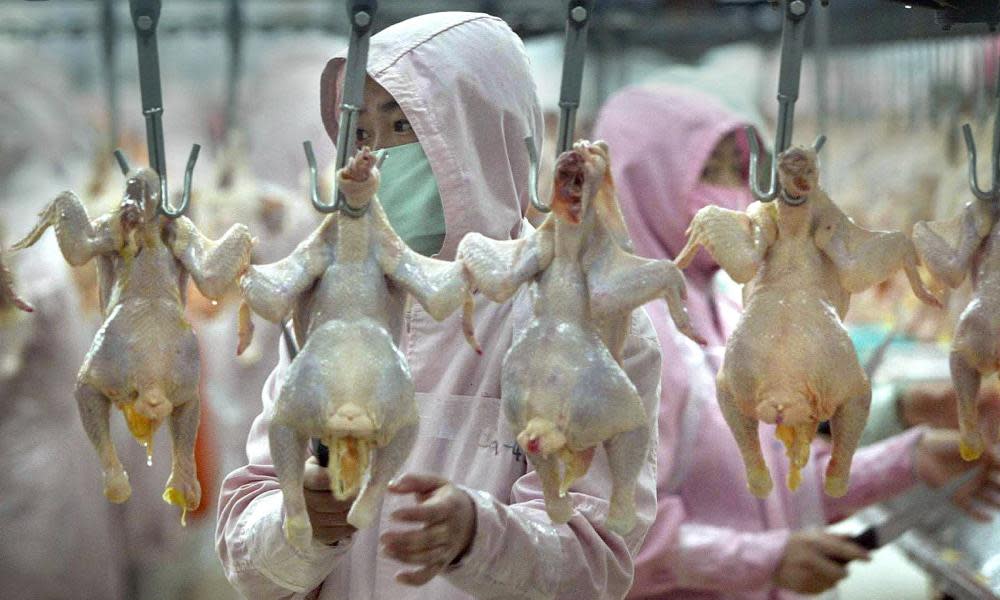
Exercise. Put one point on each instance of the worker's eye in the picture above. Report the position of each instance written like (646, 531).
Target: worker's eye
(402, 126)
(362, 135)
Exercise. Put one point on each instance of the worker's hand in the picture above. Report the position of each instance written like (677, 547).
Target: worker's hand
(447, 524)
(938, 461)
(327, 515)
(815, 561)
(935, 405)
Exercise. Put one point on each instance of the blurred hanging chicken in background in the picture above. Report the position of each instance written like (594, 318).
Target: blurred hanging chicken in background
(952, 250)
(790, 361)
(563, 386)
(145, 358)
(12, 322)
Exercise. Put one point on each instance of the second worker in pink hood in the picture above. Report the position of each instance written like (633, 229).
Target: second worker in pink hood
(452, 94)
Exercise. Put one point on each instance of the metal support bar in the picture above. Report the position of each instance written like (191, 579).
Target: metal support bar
(792, 43)
(578, 14)
(145, 16)
(361, 15)
(109, 38)
(234, 37)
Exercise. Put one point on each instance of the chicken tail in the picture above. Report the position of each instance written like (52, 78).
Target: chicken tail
(144, 415)
(542, 437)
(797, 440)
(349, 460)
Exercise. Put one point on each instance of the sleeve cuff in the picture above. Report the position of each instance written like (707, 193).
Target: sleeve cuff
(275, 559)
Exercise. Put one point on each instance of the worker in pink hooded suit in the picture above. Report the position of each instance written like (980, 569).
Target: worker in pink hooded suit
(712, 538)
(464, 91)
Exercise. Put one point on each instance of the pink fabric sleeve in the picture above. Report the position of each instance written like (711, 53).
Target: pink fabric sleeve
(251, 544)
(679, 554)
(878, 472)
(687, 556)
(518, 553)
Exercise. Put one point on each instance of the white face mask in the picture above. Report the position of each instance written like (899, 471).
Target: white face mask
(409, 194)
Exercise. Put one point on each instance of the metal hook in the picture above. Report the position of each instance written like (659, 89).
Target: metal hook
(361, 15)
(970, 144)
(792, 42)
(533, 177)
(122, 161)
(145, 16)
(578, 13)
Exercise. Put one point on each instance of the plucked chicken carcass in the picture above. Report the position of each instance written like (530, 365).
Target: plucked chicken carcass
(952, 249)
(562, 385)
(144, 359)
(790, 361)
(349, 385)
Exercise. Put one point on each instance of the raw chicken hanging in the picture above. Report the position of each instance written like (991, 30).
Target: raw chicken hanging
(563, 386)
(969, 243)
(144, 359)
(790, 361)
(349, 385)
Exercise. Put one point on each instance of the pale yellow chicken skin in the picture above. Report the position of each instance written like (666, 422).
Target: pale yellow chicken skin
(144, 359)
(15, 327)
(349, 385)
(790, 361)
(951, 250)
(562, 385)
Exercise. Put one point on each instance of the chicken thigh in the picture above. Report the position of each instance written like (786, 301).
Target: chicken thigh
(562, 384)
(349, 385)
(144, 359)
(790, 361)
(951, 250)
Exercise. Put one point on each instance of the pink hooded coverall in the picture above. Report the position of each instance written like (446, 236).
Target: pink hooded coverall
(711, 537)
(463, 82)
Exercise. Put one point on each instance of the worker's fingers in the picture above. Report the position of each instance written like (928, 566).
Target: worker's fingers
(430, 556)
(840, 548)
(969, 507)
(324, 502)
(827, 569)
(315, 477)
(431, 511)
(412, 483)
(329, 535)
(417, 540)
(420, 576)
(988, 498)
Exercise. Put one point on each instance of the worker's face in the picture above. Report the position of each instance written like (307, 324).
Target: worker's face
(381, 123)
(725, 166)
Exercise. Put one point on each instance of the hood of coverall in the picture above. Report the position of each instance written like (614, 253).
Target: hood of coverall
(459, 78)
(661, 137)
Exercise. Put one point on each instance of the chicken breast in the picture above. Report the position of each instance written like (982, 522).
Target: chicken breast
(790, 361)
(562, 385)
(144, 359)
